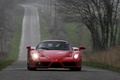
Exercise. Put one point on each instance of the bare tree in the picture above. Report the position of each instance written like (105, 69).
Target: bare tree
(100, 17)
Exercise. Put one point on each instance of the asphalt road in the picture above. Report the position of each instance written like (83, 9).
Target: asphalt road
(31, 36)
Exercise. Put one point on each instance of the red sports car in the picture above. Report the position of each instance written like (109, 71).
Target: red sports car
(54, 54)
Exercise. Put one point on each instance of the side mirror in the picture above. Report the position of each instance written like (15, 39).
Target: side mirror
(30, 48)
(75, 49)
(82, 47)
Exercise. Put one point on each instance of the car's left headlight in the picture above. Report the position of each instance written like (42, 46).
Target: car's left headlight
(76, 56)
(35, 56)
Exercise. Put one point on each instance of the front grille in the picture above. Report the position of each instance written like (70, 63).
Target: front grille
(69, 63)
(43, 63)
(56, 65)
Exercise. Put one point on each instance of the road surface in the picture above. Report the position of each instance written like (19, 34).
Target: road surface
(31, 36)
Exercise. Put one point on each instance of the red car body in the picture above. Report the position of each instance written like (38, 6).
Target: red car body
(49, 57)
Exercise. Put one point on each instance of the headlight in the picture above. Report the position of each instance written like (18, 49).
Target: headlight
(76, 56)
(35, 56)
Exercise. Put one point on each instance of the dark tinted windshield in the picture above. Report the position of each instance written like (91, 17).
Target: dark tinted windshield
(54, 45)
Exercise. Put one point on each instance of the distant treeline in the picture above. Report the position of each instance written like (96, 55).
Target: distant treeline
(8, 20)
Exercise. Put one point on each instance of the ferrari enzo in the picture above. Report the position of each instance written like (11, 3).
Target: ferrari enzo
(54, 54)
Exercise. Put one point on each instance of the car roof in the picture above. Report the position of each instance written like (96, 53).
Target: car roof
(55, 41)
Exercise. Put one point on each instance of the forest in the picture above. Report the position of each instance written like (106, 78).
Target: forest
(7, 23)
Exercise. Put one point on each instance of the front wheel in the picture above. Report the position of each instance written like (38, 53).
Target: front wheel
(31, 68)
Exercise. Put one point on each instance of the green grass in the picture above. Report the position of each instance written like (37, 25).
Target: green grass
(15, 41)
(5, 62)
(17, 37)
(101, 66)
(70, 30)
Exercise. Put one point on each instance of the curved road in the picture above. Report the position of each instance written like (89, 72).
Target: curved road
(30, 36)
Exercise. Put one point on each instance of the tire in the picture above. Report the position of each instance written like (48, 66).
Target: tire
(75, 69)
(31, 68)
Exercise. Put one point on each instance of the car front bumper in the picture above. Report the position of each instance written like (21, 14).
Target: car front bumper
(67, 62)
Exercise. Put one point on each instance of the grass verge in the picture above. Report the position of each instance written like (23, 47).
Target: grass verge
(5, 62)
(109, 60)
(70, 30)
(101, 66)
(15, 41)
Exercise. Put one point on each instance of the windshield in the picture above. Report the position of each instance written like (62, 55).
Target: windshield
(54, 45)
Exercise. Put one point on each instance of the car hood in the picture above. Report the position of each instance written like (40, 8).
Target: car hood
(55, 55)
